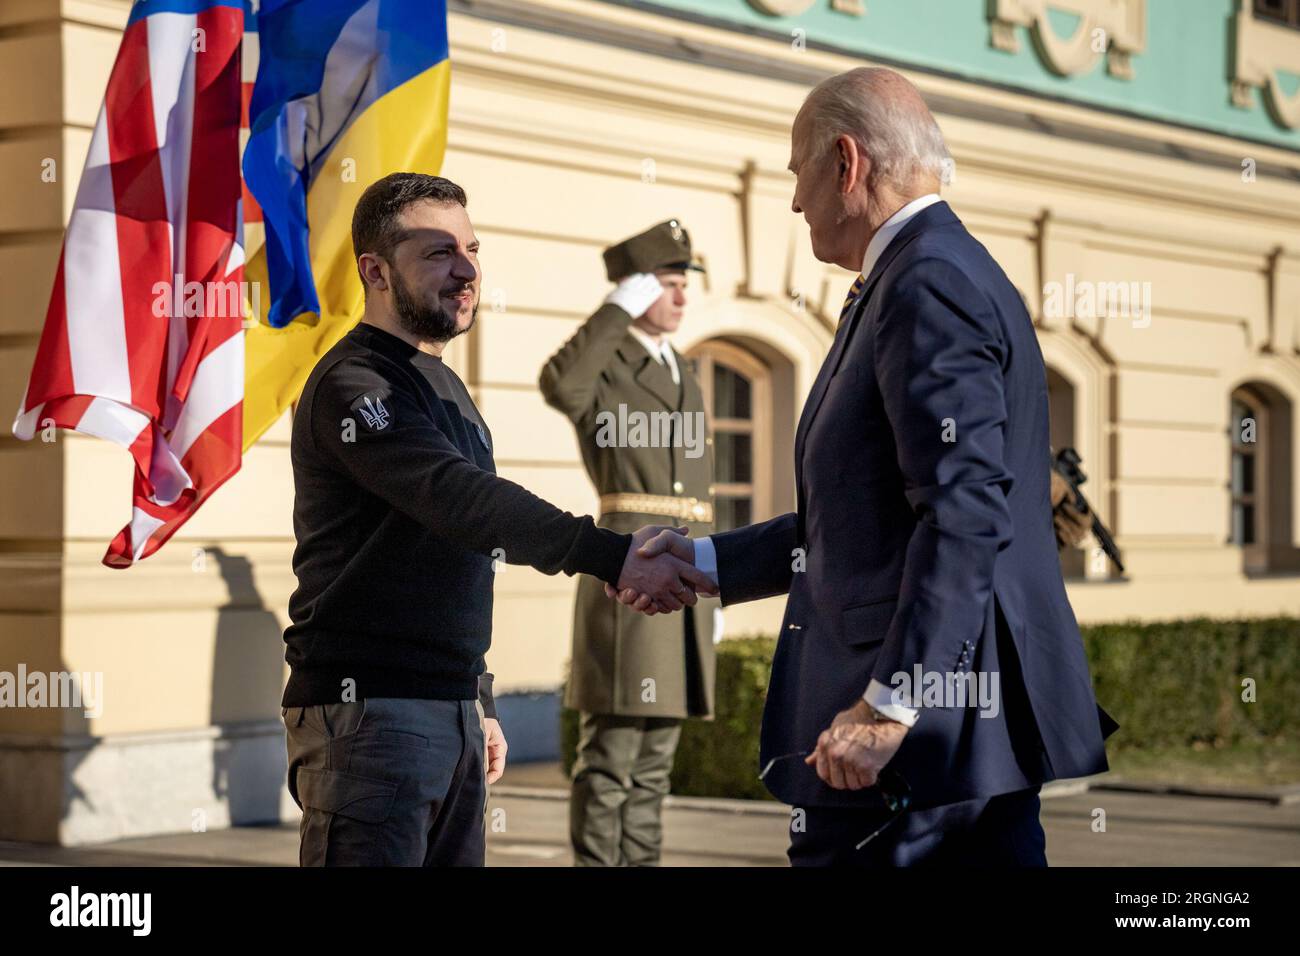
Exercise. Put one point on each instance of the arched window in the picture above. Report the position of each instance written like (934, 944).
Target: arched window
(737, 389)
(1259, 478)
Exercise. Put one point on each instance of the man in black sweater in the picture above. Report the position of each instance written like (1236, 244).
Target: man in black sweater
(400, 519)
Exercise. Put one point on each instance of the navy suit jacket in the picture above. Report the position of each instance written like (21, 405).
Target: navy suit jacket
(923, 536)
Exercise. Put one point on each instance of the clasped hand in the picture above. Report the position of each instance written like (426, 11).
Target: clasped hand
(851, 752)
(659, 574)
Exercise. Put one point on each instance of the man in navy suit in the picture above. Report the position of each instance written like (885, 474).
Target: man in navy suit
(927, 627)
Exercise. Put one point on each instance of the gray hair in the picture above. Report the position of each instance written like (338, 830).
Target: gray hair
(885, 116)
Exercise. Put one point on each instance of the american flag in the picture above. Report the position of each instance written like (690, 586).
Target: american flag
(143, 343)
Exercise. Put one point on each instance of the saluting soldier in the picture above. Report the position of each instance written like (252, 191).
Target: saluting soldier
(639, 416)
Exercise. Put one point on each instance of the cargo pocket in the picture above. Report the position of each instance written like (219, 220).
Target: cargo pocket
(359, 798)
(342, 813)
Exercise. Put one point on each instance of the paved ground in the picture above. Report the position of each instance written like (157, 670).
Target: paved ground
(530, 820)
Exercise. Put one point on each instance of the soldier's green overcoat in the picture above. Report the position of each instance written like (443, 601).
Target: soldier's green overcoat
(623, 662)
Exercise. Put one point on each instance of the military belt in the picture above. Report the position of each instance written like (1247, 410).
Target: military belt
(683, 509)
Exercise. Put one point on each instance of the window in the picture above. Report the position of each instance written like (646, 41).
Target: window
(1060, 404)
(1285, 12)
(1245, 457)
(1259, 479)
(737, 389)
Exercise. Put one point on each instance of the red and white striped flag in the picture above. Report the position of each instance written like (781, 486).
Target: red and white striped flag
(143, 340)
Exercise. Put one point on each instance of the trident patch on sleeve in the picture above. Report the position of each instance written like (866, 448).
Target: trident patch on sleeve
(373, 413)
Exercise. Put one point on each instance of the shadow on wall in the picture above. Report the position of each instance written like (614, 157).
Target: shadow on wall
(39, 764)
(248, 760)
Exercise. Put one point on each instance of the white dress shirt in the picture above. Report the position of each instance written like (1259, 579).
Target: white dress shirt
(878, 695)
(660, 351)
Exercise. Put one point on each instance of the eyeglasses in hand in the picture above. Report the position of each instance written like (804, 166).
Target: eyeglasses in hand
(894, 790)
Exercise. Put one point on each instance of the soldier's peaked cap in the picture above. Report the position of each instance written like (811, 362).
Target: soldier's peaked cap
(665, 246)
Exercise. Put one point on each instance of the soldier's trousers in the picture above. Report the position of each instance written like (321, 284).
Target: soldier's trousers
(388, 782)
(620, 780)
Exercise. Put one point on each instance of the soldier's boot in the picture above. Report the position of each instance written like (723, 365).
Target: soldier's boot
(608, 747)
(642, 811)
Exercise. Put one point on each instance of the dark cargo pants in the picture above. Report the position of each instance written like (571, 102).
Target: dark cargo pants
(388, 782)
(620, 780)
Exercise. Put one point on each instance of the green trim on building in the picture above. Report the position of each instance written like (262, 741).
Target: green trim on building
(1182, 76)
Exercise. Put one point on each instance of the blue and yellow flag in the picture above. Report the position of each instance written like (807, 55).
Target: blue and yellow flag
(347, 91)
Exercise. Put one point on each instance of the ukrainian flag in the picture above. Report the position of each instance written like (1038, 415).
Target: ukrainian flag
(346, 92)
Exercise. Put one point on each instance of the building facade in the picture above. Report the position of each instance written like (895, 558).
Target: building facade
(1134, 165)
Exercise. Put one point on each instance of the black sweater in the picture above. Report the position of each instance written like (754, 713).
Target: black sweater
(399, 513)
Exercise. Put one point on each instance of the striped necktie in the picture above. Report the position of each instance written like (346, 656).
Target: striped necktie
(854, 291)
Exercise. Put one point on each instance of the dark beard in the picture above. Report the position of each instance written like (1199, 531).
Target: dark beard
(423, 321)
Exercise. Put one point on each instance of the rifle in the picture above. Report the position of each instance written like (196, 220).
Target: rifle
(1066, 464)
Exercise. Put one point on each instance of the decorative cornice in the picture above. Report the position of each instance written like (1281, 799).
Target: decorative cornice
(1116, 27)
(1263, 48)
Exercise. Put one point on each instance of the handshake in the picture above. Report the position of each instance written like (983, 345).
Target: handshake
(659, 574)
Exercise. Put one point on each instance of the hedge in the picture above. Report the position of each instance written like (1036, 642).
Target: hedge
(1170, 683)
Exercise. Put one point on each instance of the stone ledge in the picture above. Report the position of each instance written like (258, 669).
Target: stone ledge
(82, 790)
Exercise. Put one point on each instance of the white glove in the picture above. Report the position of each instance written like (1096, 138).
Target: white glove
(636, 293)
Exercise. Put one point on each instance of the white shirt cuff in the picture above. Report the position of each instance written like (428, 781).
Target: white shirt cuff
(706, 558)
(884, 699)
